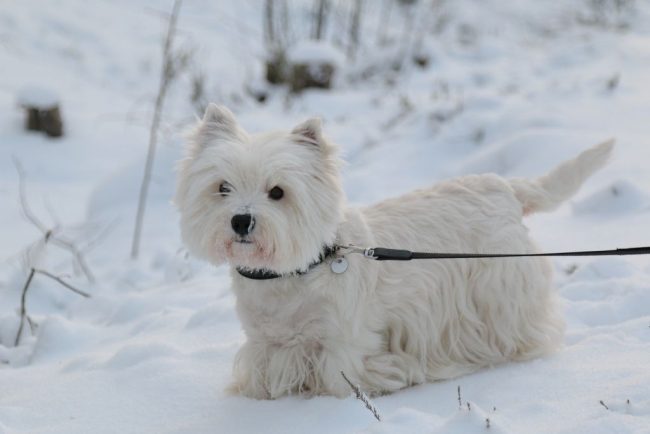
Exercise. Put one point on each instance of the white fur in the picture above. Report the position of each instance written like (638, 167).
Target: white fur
(387, 325)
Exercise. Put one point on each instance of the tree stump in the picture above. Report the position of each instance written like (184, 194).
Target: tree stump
(305, 75)
(42, 111)
(313, 64)
(276, 68)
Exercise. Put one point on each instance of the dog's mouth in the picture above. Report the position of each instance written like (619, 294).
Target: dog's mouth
(246, 252)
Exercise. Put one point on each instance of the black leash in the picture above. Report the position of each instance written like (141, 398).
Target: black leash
(383, 254)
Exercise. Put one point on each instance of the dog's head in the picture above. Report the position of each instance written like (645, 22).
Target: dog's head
(267, 201)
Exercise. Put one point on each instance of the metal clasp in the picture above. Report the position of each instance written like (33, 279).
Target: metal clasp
(367, 252)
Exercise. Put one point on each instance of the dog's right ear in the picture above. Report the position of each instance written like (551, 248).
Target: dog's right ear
(219, 120)
(218, 123)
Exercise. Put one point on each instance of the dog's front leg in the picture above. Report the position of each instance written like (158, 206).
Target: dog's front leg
(249, 372)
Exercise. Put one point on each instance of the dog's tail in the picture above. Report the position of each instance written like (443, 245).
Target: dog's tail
(549, 191)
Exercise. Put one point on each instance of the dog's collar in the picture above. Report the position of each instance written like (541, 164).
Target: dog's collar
(263, 274)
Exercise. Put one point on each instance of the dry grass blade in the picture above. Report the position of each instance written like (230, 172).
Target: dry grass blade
(361, 396)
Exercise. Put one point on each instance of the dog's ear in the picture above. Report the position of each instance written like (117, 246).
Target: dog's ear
(218, 123)
(218, 119)
(310, 131)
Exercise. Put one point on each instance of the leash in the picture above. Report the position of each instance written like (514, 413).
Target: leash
(340, 264)
(384, 254)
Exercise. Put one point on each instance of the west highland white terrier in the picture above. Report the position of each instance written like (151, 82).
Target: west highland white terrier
(272, 206)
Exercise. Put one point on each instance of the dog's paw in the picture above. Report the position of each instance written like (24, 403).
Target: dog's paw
(239, 389)
(390, 372)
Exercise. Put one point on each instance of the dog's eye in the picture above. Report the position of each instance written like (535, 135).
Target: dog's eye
(224, 188)
(276, 193)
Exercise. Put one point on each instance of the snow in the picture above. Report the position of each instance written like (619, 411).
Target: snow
(621, 196)
(310, 52)
(511, 87)
(36, 96)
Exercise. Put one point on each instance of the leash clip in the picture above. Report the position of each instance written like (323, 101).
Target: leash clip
(367, 252)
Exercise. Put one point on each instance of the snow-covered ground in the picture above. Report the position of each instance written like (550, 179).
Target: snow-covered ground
(510, 87)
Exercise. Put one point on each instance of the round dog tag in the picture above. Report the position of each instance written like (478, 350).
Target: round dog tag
(339, 265)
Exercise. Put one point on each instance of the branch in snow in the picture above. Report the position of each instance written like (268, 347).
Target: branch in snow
(355, 24)
(23, 298)
(24, 205)
(52, 234)
(360, 395)
(174, 61)
(62, 282)
(23, 306)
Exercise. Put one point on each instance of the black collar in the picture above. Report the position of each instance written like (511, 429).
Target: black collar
(263, 274)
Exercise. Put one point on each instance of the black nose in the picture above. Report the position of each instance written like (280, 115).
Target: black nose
(242, 224)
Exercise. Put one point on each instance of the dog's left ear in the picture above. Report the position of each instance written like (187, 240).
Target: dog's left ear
(310, 131)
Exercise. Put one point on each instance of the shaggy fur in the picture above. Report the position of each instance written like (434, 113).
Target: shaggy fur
(387, 325)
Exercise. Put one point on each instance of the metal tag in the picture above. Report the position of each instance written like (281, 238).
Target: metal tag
(339, 265)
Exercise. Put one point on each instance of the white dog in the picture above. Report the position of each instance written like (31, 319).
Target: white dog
(272, 206)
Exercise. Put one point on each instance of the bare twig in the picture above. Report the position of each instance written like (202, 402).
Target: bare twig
(23, 306)
(320, 18)
(603, 404)
(52, 233)
(362, 397)
(62, 282)
(23, 299)
(49, 236)
(78, 256)
(355, 23)
(32, 323)
(407, 35)
(269, 30)
(100, 236)
(24, 205)
(460, 402)
(383, 22)
(52, 213)
(285, 24)
(172, 63)
(425, 14)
